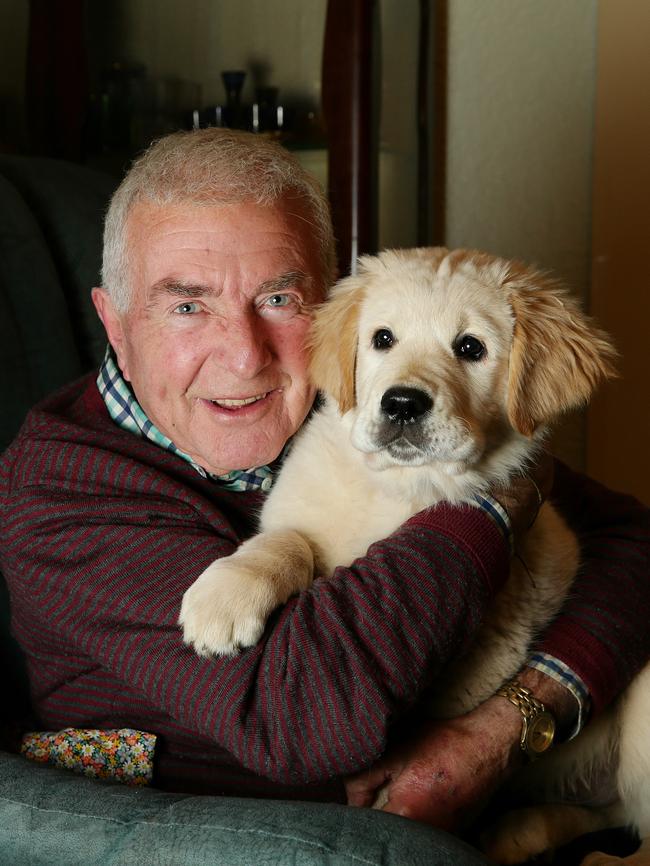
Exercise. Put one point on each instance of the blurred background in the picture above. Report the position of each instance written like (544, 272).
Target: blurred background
(533, 116)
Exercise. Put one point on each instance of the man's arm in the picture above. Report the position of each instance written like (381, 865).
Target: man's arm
(444, 772)
(97, 575)
(449, 769)
(603, 633)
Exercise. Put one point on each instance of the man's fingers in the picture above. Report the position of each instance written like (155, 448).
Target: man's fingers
(423, 807)
(362, 789)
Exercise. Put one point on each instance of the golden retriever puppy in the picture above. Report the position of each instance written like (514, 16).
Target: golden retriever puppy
(441, 372)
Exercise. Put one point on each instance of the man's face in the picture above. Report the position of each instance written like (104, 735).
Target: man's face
(213, 342)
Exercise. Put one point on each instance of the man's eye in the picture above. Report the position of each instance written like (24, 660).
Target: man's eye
(279, 300)
(187, 308)
(285, 303)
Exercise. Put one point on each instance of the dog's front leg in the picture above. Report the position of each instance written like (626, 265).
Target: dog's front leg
(525, 833)
(228, 605)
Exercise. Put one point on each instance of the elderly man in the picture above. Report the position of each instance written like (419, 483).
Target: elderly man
(122, 488)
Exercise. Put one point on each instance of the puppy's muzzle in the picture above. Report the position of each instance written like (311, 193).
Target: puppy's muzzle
(402, 405)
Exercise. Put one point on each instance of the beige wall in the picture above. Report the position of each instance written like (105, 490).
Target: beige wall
(521, 108)
(520, 120)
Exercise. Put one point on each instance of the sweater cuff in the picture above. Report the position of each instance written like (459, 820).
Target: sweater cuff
(473, 530)
(587, 657)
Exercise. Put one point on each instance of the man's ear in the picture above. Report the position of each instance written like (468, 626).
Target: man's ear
(558, 354)
(112, 322)
(333, 342)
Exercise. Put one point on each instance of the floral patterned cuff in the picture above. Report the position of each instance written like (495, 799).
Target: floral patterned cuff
(124, 755)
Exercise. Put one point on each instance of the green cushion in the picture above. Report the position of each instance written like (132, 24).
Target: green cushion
(50, 817)
(37, 346)
(68, 202)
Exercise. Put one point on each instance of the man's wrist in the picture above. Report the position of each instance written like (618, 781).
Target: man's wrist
(505, 721)
(538, 724)
(557, 699)
(524, 496)
(567, 677)
(508, 720)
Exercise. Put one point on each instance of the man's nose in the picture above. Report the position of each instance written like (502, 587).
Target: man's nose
(244, 347)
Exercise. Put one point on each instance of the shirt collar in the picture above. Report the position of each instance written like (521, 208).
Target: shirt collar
(128, 414)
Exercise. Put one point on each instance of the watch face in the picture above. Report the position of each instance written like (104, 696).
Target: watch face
(541, 733)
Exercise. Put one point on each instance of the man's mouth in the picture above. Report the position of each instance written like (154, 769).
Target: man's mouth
(237, 403)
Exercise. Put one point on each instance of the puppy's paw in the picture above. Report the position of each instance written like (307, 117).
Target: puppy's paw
(598, 858)
(226, 608)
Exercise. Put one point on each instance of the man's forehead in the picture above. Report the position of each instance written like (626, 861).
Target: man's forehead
(235, 229)
(189, 249)
(225, 217)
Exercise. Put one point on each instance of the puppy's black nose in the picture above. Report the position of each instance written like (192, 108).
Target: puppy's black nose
(405, 405)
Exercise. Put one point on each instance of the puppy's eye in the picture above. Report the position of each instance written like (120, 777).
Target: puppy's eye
(383, 339)
(469, 348)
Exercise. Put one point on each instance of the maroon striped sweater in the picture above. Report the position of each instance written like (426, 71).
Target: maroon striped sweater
(102, 532)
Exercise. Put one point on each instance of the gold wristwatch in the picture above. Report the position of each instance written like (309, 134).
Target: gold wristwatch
(538, 730)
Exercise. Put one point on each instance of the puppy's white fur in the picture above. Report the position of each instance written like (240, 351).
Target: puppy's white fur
(353, 475)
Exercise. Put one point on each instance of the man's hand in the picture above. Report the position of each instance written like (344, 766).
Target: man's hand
(448, 771)
(445, 773)
(525, 494)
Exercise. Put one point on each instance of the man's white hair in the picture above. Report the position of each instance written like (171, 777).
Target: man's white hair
(208, 167)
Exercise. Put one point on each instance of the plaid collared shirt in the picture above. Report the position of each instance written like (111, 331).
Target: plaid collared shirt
(128, 414)
(125, 410)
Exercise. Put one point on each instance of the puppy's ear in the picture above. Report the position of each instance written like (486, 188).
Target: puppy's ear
(558, 355)
(333, 342)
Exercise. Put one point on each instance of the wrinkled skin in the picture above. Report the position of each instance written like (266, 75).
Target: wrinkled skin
(449, 770)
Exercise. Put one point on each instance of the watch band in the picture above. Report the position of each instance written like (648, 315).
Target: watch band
(533, 712)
